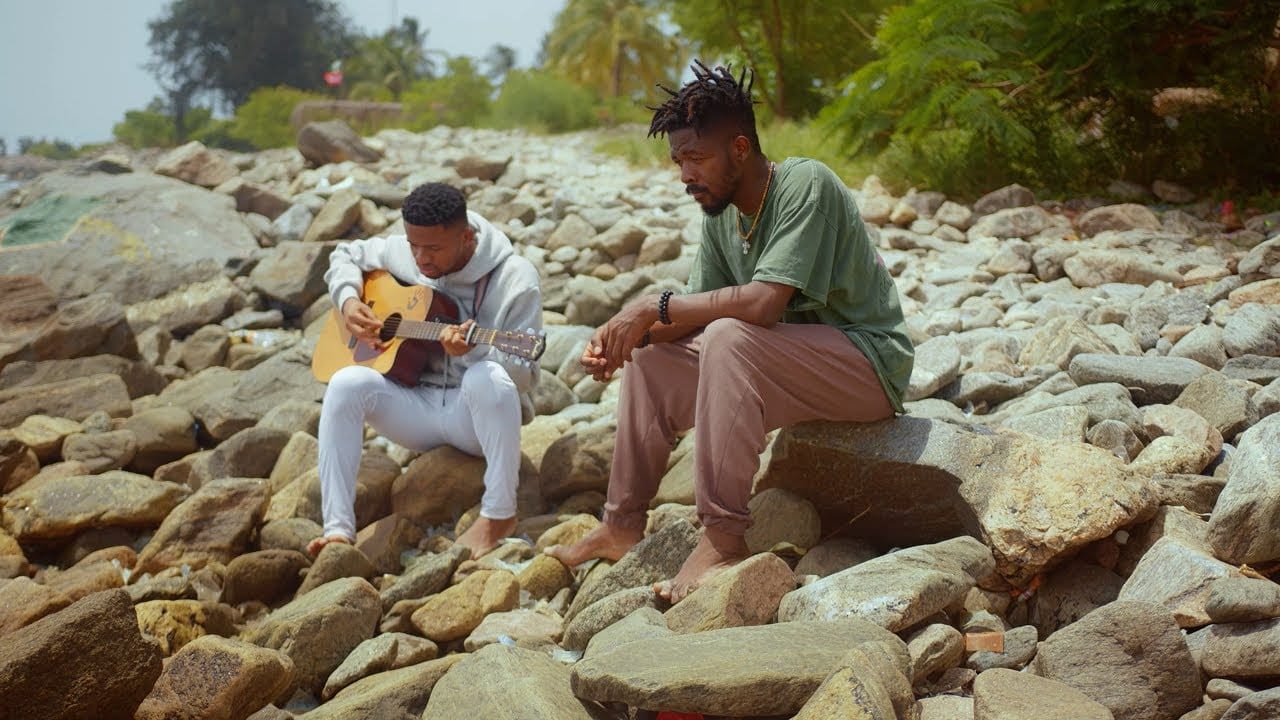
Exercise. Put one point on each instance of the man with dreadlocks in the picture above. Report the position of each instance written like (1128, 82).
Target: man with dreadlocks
(790, 316)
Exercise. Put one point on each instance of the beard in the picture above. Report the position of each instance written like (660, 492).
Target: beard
(716, 204)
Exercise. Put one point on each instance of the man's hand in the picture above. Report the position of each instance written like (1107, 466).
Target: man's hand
(362, 323)
(454, 338)
(613, 342)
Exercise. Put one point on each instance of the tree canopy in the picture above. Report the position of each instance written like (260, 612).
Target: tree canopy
(615, 47)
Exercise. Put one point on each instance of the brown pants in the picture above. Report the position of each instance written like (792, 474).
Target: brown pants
(732, 382)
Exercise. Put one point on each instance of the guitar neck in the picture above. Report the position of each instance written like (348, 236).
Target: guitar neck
(431, 330)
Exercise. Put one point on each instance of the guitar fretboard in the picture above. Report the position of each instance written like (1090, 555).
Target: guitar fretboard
(431, 330)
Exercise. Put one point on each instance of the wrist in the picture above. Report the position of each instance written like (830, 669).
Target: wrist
(664, 307)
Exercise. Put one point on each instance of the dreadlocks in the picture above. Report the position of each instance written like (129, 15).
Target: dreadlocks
(712, 98)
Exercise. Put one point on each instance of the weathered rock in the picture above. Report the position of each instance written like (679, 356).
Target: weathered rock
(1129, 216)
(1013, 490)
(866, 686)
(74, 399)
(533, 629)
(579, 461)
(1015, 222)
(1239, 650)
(266, 576)
(333, 141)
(132, 240)
(1007, 695)
(657, 557)
(23, 601)
(163, 434)
(213, 525)
(172, 624)
(392, 695)
(214, 678)
(1220, 401)
(455, 612)
(1237, 599)
(86, 661)
(1091, 268)
(61, 507)
(425, 576)
(1129, 656)
(746, 594)
(438, 486)
(937, 363)
(388, 651)
(761, 670)
(896, 590)
(522, 684)
(196, 164)
(336, 560)
(1242, 527)
(1254, 329)
(1178, 575)
(778, 517)
(1256, 706)
(1010, 196)
(544, 577)
(339, 213)
(832, 556)
(100, 452)
(1150, 380)
(318, 630)
(595, 618)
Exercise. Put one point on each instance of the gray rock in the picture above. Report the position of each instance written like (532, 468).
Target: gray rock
(604, 613)
(1128, 216)
(1254, 329)
(1178, 575)
(1010, 196)
(761, 670)
(292, 224)
(1242, 599)
(61, 507)
(1002, 694)
(1204, 345)
(1068, 422)
(1129, 656)
(1224, 403)
(388, 651)
(895, 591)
(1239, 650)
(655, 558)
(333, 141)
(318, 630)
(937, 363)
(1258, 706)
(290, 276)
(1263, 261)
(1242, 528)
(519, 684)
(1260, 369)
(425, 576)
(934, 649)
(1019, 648)
(391, 695)
(1091, 268)
(1150, 380)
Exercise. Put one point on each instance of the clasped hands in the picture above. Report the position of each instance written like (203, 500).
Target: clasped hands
(612, 343)
(366, 326)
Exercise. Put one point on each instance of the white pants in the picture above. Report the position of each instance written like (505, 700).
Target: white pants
(482, 418)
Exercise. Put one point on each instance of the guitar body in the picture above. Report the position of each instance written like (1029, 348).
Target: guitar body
(404, 358)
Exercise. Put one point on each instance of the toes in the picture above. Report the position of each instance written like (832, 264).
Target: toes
(663, 589)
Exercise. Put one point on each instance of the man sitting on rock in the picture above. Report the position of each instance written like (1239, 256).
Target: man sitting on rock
(469, 399)
(790, 316)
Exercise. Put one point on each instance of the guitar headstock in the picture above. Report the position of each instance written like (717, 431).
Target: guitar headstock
(528, 344)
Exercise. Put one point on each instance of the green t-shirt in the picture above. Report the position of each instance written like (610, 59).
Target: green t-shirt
(811, 237)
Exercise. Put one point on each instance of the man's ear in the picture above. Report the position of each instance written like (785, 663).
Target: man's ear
(741, 147)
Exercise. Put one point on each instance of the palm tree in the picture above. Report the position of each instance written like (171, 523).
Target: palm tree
(614, 47)
(394, 59)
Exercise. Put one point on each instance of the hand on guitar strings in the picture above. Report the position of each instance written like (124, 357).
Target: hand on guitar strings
(362, 323)
(454, 338)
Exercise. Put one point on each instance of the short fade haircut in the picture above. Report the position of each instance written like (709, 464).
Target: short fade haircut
(434, 203)
(713, 98)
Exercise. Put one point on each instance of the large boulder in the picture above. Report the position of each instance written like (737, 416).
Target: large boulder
(911, 480)
(136, 236)
(87, 662)
(333, 141)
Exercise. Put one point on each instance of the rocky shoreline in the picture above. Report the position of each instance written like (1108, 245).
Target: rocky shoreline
(1079, 517)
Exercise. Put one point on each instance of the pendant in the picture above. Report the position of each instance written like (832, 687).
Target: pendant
(746, 247)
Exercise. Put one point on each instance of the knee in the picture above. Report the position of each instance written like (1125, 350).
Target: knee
(488, 384)
(723, 337)
(353, 381)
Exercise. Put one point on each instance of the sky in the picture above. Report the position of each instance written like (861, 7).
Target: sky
(69, 69)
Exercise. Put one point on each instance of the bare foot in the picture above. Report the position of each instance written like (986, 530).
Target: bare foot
(485, 534)
(715, 552)
(605, 542)
(315, 546)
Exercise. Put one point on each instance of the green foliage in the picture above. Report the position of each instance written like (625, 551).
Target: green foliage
(542, 102)
(53, 149)
(225, 49)
(150, 127)
(973, 94)
(393, 62)
(263, 121)
(460, 98)
(800, 49)
(614, 47)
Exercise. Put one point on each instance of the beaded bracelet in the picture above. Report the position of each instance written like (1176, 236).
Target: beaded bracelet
(663, 302)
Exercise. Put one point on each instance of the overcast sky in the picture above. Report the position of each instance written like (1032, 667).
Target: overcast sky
(69, 69)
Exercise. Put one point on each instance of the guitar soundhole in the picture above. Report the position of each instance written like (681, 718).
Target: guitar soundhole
(389, 327)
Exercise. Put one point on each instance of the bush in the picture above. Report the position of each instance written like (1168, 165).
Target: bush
(52, 149)
(542, 102)
(152, 127)
(458, 99)
(263, 121)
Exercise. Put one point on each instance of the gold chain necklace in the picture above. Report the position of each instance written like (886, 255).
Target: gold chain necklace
(746, 238)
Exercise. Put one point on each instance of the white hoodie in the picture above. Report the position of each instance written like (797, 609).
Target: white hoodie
(512, 299)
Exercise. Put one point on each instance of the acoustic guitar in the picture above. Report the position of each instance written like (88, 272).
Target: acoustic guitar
(413, 318)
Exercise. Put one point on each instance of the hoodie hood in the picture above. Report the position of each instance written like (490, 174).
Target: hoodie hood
(492, 247)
